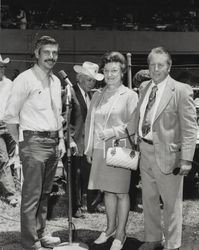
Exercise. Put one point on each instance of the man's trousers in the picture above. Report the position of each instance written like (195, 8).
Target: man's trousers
(7, 150)
(169, 187)
(39, 156)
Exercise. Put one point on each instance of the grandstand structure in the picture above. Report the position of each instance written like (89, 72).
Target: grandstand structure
(86, 29)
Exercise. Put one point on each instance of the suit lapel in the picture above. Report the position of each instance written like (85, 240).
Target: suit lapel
(121, 90)
(168, 93)
(137, 117)
(143, 95)
(81, 101)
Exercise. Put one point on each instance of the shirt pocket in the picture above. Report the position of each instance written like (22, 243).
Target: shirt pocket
(39, 99)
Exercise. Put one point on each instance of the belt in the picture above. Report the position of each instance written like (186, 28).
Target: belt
(147, 141)
(2, 122)
(48, 134)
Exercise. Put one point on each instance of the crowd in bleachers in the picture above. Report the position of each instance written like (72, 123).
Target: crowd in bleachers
(138, 19)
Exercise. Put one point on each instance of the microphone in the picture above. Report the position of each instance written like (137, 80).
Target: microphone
(68, 85)
(64, 76)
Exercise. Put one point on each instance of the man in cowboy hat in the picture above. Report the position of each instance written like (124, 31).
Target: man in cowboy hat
(7, 144)
(87, 75)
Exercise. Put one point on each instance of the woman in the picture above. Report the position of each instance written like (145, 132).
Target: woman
(110, 109)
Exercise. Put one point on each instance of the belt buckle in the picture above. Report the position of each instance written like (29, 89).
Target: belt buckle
(48, 134)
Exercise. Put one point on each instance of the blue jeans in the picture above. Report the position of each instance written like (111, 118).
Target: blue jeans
(7, 150)
(39, 157)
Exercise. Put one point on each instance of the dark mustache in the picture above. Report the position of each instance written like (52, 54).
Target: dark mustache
(50, 60)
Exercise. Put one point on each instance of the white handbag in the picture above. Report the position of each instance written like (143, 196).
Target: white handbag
(123, 157)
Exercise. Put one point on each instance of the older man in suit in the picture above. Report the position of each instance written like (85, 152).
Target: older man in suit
(87, 75)
(165, 121)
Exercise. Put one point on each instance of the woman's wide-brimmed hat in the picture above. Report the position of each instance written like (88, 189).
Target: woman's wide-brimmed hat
(89, 69)
(5, 61)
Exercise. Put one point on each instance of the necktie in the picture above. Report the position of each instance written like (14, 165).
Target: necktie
(146, 125)
(89, 95)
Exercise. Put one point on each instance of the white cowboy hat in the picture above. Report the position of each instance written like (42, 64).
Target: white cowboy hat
(196, 102)
(5, 61)
(89, 69)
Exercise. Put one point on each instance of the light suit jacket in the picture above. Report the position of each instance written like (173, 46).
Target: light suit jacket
(124, 104)
(174, 129)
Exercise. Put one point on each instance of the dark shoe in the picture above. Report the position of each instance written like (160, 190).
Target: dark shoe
(50, 241)
(99, 198)
(151, 245)
(79, 214)
(98, 209)
(138, 208)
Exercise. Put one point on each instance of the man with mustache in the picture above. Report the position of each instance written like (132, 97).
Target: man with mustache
(33, 117)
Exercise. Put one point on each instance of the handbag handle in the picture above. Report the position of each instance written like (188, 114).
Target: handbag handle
(133, 146)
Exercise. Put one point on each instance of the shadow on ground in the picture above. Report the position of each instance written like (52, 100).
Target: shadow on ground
(11, 240)
(130, 244)
(88, 236)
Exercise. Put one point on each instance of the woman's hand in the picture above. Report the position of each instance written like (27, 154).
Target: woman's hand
(88, 158)
(106, 134)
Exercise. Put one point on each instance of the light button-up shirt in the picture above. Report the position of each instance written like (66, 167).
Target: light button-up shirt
(159, 95)
(35, 101)
(5, 88)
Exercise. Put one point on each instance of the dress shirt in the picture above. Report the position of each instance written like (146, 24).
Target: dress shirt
(5, 89)
(35, 102)
(159, 95)
(85, 96)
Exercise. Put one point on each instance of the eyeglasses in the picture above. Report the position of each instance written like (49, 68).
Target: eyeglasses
(112, 71)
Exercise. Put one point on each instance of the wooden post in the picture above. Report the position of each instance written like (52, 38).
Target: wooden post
(129, 74)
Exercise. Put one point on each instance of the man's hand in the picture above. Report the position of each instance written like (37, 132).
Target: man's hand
(61, 148)
(73, 148)
(88, 158)
(185, 167)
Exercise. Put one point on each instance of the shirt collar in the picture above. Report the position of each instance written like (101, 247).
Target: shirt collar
(41, 74)
(161, 84)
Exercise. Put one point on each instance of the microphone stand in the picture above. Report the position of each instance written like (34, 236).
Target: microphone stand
(69, 245)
